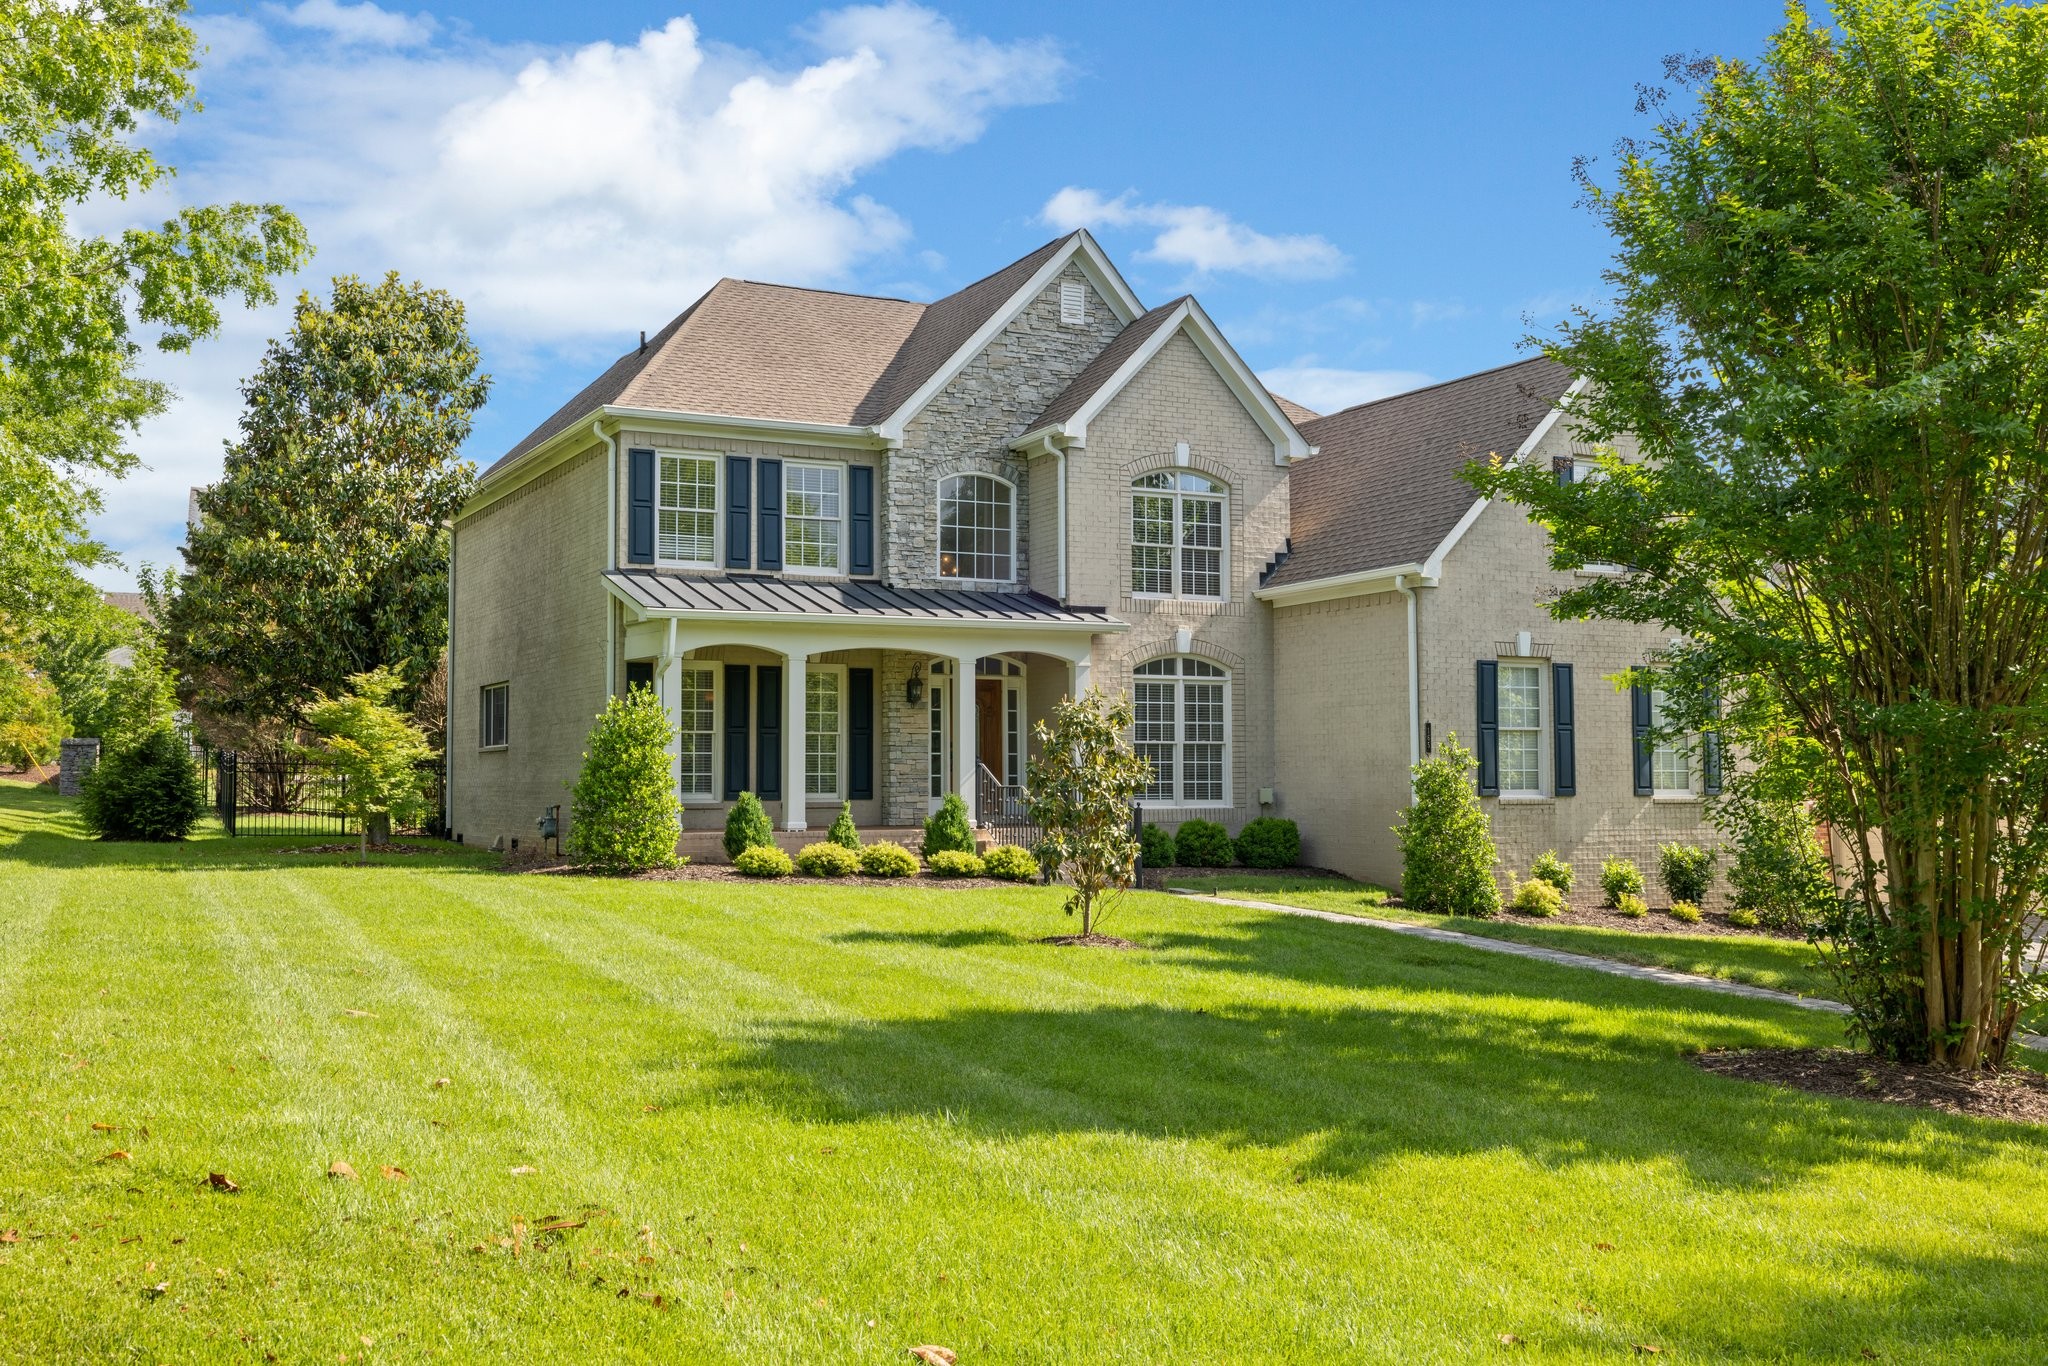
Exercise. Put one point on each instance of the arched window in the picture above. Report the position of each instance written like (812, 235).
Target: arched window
(977, 513)
(1177, 536)
(1182, 710)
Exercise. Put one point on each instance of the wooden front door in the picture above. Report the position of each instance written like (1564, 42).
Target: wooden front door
(988, 724)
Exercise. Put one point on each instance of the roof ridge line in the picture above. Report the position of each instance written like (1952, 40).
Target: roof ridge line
(813, 289)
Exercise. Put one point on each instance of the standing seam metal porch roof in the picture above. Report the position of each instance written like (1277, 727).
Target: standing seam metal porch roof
(755, 595)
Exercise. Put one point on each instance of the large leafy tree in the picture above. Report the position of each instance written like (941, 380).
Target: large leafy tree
(78, 81)
(322, 553)
(1830, 336)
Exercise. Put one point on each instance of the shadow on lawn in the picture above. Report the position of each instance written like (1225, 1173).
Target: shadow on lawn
(935, 939)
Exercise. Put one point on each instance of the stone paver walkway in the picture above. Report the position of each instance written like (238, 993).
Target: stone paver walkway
(1558, 956)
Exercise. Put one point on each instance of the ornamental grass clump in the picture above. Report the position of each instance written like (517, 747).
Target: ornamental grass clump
(1447, 852)
(827, 860)
(623, 812)
(747, 827)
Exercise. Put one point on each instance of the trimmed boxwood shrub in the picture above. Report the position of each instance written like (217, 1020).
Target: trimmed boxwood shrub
(946, 828)
(1620, 878)
(149, 791)
(1269, 842)
(1686, 870)
(954, 863)
(1156, 847)
(827, 860)
(1203, 844)
(746, 827)
(623, 812)
(764, 860)
(1553, 870)
(884, 859)
(1538, 898)
(1010, 863)
(842, 832)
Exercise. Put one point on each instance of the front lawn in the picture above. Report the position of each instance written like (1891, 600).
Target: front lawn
(1759, 959)
(699, 1121)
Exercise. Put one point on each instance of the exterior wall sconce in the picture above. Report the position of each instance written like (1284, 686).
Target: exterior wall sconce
(913, 690)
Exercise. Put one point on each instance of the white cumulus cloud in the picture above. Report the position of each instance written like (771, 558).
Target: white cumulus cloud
(358, 23)
(1195, 236)
(1327, 389)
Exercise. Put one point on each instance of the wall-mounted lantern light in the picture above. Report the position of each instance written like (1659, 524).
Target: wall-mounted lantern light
(913, 690)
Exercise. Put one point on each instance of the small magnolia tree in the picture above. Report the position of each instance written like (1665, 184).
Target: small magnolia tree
(1447, 853)
(1079, 791)
(377, 750)
(624, 816)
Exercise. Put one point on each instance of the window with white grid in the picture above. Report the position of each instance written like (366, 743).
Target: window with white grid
(1670, 759)
(822, 715)
(812, 516)
(1521, 727)
(1181, 710)
(976, 514)
(687, 516)
(696, 713)
(1178, 537)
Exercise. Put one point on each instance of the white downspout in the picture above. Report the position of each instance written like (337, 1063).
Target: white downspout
(1061, 455)
(1414, 687)
(611, 558)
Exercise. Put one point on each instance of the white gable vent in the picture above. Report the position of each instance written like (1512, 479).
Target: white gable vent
(1073, 303)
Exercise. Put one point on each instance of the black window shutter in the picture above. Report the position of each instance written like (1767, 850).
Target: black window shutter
(1710, 751)
(860, 499)
(768, 730)
(735, 730)
(640, 507)
(1566, 767)
(739, 514)
(769, 513)
(639, 674)
(1489, 728)
(1639, 728)
(860, 734)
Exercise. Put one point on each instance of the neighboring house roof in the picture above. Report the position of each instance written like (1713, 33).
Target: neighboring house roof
(134, 604)
(1295, 412)
(784, 598)
(1384, 487)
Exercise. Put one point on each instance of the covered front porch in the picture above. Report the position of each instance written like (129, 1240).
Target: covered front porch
(809, 695)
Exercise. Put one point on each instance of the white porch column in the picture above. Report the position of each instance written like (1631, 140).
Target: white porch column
(672, 703)
(1077, 677)
(965, 734)
(794, 668)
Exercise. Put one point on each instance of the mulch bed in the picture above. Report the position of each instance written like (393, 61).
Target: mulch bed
(406, 849)
(725, 872)
(1656, 922)
(2014, 1094)
(1089, 941)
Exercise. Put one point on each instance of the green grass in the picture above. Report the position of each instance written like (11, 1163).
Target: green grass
(1758, 959)
(826, 1124)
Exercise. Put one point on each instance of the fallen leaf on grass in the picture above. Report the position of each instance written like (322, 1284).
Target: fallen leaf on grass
(391, 1173)
(1603, 1247)
(1510, 1340)
(220, 1182)
(131, 1238)
(650, 1109)
(156, 1291)
(558, 1225)
(12, 1235)
(105, 1128)
(361, 1014)
(1645, 1349)
(341, 1171)
(525, 1171)
(439, 1082)
(933, 1355)
(118, 1155)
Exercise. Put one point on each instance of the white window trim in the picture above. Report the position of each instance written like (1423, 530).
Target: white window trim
(717, 459)
(938, 503)
(1133, 493)
(506, 743)
(1228, 680)
(1691, 791)
(837, 571)
(717, 668)
(1544, 727)
(838, 792)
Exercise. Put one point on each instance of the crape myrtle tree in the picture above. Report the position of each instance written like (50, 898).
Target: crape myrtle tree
(322, 553)
(1829, 334)
(79, 84)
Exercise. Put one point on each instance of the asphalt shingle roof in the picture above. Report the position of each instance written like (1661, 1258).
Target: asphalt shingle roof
(1098, 372)
(1383, 489)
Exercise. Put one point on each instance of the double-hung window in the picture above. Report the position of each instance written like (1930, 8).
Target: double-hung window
(494, 716)
(1521, 728)
(1181, 707)
(1670, 758)
(1178, 541)
(822, 717)
(696, 731)
(813, 515)
(976, 514)
(687, 514)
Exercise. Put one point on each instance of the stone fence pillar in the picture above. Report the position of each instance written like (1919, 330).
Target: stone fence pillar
(78, 758)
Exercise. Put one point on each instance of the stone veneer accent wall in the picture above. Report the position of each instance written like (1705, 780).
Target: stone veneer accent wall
(968, 427)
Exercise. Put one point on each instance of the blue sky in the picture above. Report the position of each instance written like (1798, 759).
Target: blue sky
(1366, 197)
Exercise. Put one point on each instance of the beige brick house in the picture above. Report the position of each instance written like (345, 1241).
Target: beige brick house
(860, 546)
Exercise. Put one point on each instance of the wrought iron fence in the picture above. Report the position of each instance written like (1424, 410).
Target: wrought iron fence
(273, 794)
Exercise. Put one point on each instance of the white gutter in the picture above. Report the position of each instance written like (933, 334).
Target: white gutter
(611, 555)
(1414, 687)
